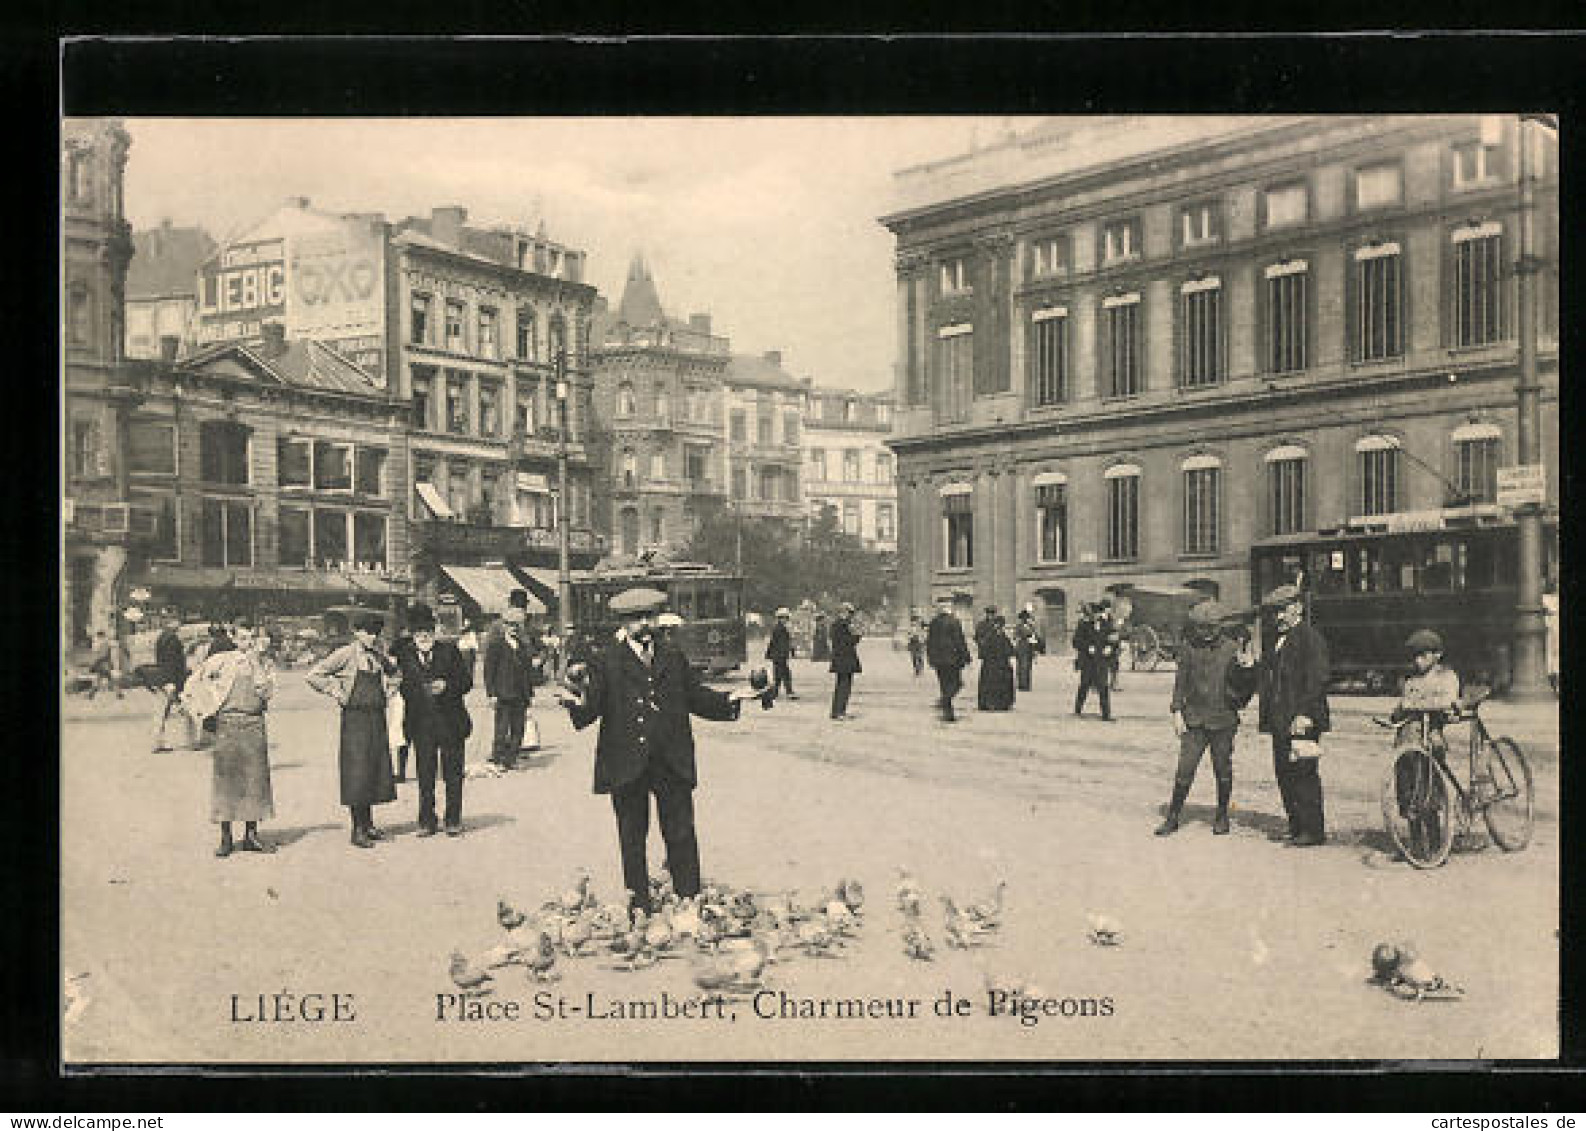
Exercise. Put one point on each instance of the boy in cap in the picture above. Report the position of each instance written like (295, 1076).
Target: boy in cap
(643, 690)
(1215, 677)
(779, 650)
(1432, 688)
(1294, 674)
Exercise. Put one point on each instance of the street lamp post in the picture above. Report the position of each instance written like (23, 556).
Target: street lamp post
(1529, 678)
(564, 577)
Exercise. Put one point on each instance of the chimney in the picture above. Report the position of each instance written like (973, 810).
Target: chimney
(169, 344)
(274, 339)
(446, 224)
(774, 357)
(700, 322)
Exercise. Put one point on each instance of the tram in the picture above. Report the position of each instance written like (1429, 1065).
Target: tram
(709, 601)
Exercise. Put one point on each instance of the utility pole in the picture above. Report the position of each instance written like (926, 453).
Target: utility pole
(564, 576)
(1529, 679)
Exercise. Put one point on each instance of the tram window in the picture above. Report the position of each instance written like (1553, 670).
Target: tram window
(1437, 566)
(1327, 571)
(1398, 567)
(712, 604)
(683, 601)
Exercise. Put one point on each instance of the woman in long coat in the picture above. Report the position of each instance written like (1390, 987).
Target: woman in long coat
(361, 678)
(230, 692)
(996, 667)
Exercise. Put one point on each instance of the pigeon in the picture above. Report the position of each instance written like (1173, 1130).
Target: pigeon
(852, 893)
(542, 960)
(962, 931)
(508, 916)
(658, 934)
(989, 912)
(839, 918)
(573, 898)
(911, 897)
(576, 936)
(1105, 930)
(500, 955)
(917, 944)
(686, 920)
(467, 978)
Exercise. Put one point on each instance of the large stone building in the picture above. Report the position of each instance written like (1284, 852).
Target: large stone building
(848, 466)
(1130, 350)
(764, 408)
(162, 288)
(658, 395)
(100, 528)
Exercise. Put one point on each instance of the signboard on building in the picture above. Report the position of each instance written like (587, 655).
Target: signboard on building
(1525, 483)
(337, 291)
(241, 288)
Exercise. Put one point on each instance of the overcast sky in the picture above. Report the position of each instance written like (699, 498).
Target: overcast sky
(768, 224)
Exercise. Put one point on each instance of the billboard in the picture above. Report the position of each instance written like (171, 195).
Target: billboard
(336, 293)
(240, 289)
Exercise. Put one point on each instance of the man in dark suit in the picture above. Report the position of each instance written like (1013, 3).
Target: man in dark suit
(779, 650)
(170, 664)
(1093, 650)
(1294, 711)
(510, 675)
(435, 677)
(845, 660)
(947, 652)
(643, 690)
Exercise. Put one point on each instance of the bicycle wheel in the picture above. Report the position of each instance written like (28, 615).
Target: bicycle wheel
(1510, 809)
(1416, 809)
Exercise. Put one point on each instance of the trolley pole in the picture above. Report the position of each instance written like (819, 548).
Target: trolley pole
(1529, 679)
(564, 575)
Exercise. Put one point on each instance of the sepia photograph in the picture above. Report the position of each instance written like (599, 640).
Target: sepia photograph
(1076, 588)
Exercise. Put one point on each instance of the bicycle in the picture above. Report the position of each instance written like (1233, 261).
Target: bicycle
(1420, 792)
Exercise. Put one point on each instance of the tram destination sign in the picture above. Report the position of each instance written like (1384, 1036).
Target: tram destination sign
(1522, 484)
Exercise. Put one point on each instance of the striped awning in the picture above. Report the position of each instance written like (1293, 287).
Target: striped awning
(489, 587)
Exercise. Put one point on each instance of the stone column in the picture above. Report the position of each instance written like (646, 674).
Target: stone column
(987, 535)
(1010, 530)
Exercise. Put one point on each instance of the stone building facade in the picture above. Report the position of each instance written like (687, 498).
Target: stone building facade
(764, 409)
(848, 466)
(1130, 351)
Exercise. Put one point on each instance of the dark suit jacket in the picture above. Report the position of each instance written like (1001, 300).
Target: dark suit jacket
(171, 658)
(945, 646)
(845, 648)
(1294, 682)
(509, 672)
(644, 713)
(780, 646)
(1091, 639)
(442, 717)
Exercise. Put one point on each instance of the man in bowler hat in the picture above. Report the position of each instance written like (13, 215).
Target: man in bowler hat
(1294, 711)
(510, 676)
(643, 690)
(435, 678)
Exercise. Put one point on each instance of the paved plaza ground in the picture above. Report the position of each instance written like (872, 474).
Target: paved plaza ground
(1233, 947)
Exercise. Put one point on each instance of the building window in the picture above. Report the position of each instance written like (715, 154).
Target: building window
(1478, 292)
(663, 404)
(883, 468)
(423, 383)
(1123, 513)
(528, 409)
(1201, 357)
(369, 539)
(790, 429)
(164, 544)
(1378, 321)
(1476, 450)
(1051, 520)
(489, 408)
(294, 462)
(1121, 319)
(1286, 490)
(1379, 475)
(630, 469)
(330, 538)
(958, 523)
(790, 485)
(79, 322)
(886, 530)
(457, 404)
(954, 277)
(1287, 320)
(817, 462)
(851, 472)
(1120, 241)
(740, 426)
(454, 326)
(226, 533)
(626, 405)
(1202, 504)
(223, 452)
(1049, 355)
(696, 465)
(487, 333)
(851, 518)
(77, 174)
(764, 427)
(528, 336)
(293, 537)
(1200, 224)
(1286, 205)
(151, 447)
(657, 527)
(1379, 186)
(955, 362)
(370, 466)
(420, 331)
(657, 465)
(332, 466)
(1474, 164)
(739, 483)
(1049, 257)
(884, 414)
(85, 448)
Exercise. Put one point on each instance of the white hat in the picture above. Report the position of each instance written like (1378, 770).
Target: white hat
(669, 620)
(783, 612)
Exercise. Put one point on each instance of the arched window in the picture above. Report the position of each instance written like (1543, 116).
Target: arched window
(1286, 489)
(958, 525)
(628, 529)
(630, 468)
(1123, 512)
(626, 405)
(1202, 503)
(663, 403)
(1477, 447)
(1051, 517)
(1378, 459)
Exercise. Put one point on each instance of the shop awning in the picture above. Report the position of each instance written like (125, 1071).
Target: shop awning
(432, 499)
(543, 583)
(489, 586)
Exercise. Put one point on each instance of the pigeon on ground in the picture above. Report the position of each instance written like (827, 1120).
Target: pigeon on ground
(508, 916)
(542, 960)
(917, 944)
(1105, 930)
(911, 897)
(988, 913)
(468, 978)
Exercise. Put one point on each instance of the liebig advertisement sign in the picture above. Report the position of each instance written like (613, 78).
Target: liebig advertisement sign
(240, 289)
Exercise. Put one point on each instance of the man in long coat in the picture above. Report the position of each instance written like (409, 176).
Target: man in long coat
(779, 650)
(510, 676)
(435, 677)
(947, 652)
(643, 690)
(1294, 675)
(1093, 657)
(170, 661)
(1027, 643)
(845, 660)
